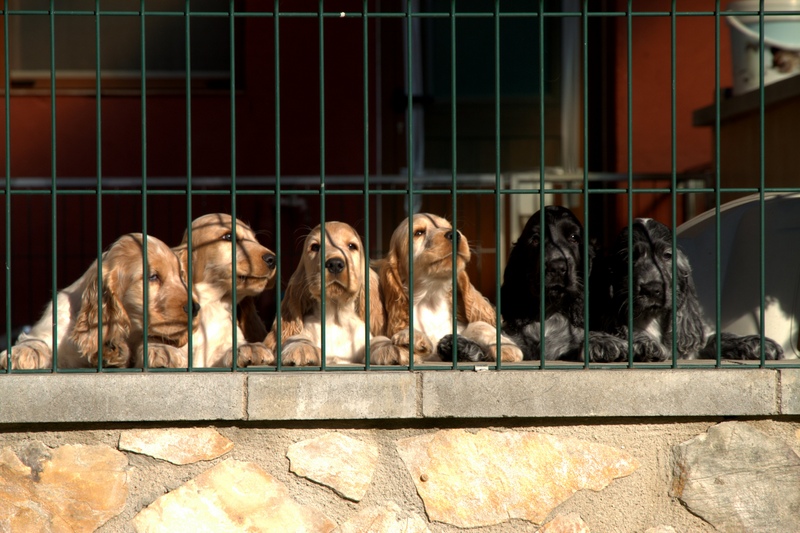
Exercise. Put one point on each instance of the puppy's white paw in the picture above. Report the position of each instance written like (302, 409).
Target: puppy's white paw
(301, 354)
(28, 355)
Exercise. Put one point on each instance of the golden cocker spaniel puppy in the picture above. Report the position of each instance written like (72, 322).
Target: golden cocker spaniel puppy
(212, 283)
(123, 280)
(341, 272)
(432, 294)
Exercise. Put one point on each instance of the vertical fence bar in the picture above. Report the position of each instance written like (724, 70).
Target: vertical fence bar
(53, 183)
(498, 183)
(542, 197)
(673, 176)
(761, 176)
(322, 201)
(7, 126)
(99, 163)
(234, 215)
(629, 103)
(143, 86)
(365, 109)
(717, 191)
(585, 97)
(278, 273)
(189, 172)
(454, 179)
(410, 165)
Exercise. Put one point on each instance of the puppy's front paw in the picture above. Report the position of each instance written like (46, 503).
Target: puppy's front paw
(301, 354)
(384, 352)
(422, 344)
(255, 354)
(116, 355)
(467, 350)
(747, 347)
(772, 350)
(508, 353)
(649, 350)
(28, 355)
(166, 356)
(606, 348)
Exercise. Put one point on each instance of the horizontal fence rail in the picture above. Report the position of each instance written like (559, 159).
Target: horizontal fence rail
(141, 117)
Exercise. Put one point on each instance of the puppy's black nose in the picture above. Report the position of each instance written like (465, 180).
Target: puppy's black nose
(335, 265)
(556, 266)
(652, 289)
(449, 235)
(195, 308)
(269, 259)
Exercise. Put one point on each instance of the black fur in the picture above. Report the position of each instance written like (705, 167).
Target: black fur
(467, 350)
(563, 291)
(652, 258)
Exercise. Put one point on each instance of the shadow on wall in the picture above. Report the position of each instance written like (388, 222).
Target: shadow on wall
(740, 266)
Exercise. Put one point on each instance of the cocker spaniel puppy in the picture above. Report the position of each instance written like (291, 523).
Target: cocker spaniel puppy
(341, 273)
(652, 300)
(431, 292)
(212, 283)
(123, 280)
(522, 292)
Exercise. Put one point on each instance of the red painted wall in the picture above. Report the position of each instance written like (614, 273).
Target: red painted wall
(651, 101)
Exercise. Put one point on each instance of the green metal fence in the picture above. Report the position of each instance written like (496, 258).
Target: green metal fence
(252, 79)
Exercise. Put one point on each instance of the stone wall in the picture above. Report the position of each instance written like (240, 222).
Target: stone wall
(85, 469)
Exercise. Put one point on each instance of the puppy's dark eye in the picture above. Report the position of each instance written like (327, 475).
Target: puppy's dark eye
(314, 247)
(535, 240)
(667, 255)
(574, 237)
(353, 246)
(419, 232)
(227, 237)
(154, 278)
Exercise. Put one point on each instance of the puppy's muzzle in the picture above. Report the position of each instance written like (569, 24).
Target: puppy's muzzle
(270, 260)
(652, 290)
(195, 308)
(556, 271)
(334, 265)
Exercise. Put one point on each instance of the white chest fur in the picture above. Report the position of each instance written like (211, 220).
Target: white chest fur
(214, 334)
(345, 334)
(433, 314)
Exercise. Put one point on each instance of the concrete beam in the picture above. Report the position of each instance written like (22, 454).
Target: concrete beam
(379, 394)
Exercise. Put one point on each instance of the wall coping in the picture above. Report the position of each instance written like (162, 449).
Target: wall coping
(419, 395)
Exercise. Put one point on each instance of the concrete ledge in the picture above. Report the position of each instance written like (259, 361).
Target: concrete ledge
(332, 395)
(344, 395)
(790, 391)
(117, 397)
(592, 393)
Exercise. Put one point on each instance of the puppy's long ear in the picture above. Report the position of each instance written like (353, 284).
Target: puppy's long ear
(472, 306)
(689, 321)
(297, 302)
(198, 269)
(395, 296)
(116, 323)
(515, 294)
(377, 311)
(251, 324)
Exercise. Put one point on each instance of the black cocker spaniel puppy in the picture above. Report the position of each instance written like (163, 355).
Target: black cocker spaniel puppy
(652, 255)
(563, 292)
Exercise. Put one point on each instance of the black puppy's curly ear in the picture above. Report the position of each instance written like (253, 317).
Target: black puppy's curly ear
(594, 249)
(515, 297)
(689, 321)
